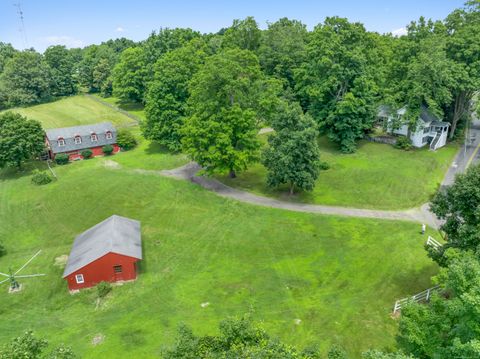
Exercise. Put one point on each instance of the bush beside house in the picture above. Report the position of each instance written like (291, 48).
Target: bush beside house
(126, 140)
(107, 150)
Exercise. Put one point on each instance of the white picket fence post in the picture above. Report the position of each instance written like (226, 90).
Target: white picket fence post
(433, 243)
(419, 297)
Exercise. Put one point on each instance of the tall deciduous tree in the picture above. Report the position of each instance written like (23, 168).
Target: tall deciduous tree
(62, 64)
(283, 48)
(229, 98)
(129, 76)
(20, 139)
(463, 45)
(6, 52)
(95, 68)
(163, 41)
(459, 206)
(25, 79)
(243, 34)
(420, 72)
(336, 76)
(166, 100)
(446, 327)
(293, 156)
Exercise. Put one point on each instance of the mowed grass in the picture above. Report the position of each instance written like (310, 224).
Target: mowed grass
(339, 276)
(136, 109)
(149, 155)
(377, 176)
(74, 111)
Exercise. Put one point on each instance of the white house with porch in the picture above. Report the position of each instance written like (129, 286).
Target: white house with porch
(430, 131)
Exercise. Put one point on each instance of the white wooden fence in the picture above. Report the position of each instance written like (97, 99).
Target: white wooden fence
(51, 169)
(433, 243)
(419, 297)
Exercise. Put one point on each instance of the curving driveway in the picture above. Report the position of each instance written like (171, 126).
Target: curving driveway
(189, 172)
(466, 156)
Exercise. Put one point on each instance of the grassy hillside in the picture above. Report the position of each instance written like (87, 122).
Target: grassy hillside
(135, 109)
(339, 276)
(377, 176)
(74, 111)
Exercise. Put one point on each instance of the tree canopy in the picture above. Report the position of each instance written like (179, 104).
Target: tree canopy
(21, 139)
(168, 94)
(229, 98)
(25, 79)
(293, 156)
(459, 206)
(336, 83)
(237, 338)
(129, 76)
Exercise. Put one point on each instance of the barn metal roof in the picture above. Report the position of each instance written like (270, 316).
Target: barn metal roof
(85, 132)
(114, 235)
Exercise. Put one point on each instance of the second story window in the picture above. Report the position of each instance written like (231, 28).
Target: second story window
(61, 142)
(108, 135)
(94, 137)
(78, 140)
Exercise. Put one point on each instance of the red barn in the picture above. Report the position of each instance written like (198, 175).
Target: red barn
(108, 252)
(74, 140)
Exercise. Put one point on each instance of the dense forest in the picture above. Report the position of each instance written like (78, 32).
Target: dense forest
(339, 73)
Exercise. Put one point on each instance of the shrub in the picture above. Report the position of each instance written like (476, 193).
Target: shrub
(404, 143)
(62, 352)
(103, 288)
(61, 159)
(40, 178)
(86, 154)
(126, 140)
(107, 149)
(3, 250)
(324, 166)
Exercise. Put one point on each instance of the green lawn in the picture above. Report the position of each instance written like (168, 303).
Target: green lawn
(74, 111)
(149, 156)
(339, 276)
(377, 176)
(136, 109)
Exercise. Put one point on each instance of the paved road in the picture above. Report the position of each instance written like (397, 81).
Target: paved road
(468, 155)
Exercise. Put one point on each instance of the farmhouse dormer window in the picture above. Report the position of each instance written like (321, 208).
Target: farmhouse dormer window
(108, 135)
(94, 137)
(78, 140)
(61, 142)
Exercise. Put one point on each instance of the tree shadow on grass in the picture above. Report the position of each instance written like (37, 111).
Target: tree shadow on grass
(156, 148)
(13, 173)
(413, 281)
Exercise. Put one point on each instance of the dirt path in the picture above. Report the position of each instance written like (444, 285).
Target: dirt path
(189, 172)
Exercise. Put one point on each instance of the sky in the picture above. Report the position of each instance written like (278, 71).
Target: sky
(78, 23)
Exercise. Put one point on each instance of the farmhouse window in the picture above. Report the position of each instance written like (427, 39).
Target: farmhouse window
(94, 137)
(61, 142)
(117, 269)
(78, 140)
(108, 135)
(79, 279)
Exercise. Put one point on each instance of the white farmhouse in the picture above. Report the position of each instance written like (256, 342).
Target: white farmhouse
(430, 131)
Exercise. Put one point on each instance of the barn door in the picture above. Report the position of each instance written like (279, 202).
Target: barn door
(118, 272)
